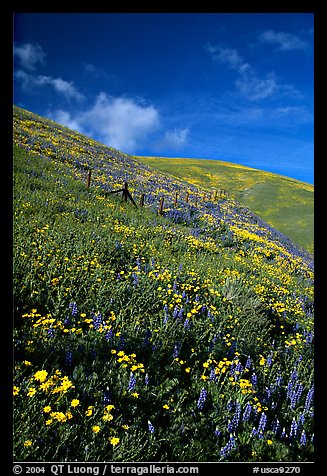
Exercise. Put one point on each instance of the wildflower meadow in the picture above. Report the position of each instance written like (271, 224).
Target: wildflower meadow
(185, 335)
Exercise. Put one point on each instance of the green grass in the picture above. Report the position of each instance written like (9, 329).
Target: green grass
(138, 337)
(284, 203)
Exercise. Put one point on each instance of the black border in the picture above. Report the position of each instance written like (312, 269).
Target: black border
(219, 6)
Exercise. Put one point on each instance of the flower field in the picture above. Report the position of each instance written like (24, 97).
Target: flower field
(185, 336)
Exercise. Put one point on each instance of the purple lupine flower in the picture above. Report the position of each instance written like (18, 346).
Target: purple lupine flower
(176, 350)
(254, 380)
(228, 447)
(186, 324)
(247, 412)
(262, 424)
(135, 279)
(97, 320)
(150, 427)
(303, 439)
(309, 399)
(279, 379)
(132, 382)
(166, 314)
(301, 420)
(51, 332)
(212, 375)
(202, 398)
(293, 431)
(73, 308)
(276, 426)
(69, 358)
(248, 363)
(146, 379)
(109, 334)
(295, 395)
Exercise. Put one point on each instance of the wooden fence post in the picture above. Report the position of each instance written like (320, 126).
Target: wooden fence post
(186, 197)
(160, 211)
(125, 192)
(88, 179)
(176, 196)
(204, 197)
(142, 200)
(196, 199)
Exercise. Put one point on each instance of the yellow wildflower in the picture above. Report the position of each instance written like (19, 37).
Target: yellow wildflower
(114, 441)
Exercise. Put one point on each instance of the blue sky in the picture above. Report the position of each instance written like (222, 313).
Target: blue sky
(229, 86)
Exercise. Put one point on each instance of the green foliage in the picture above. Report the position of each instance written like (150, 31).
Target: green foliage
(145, 338)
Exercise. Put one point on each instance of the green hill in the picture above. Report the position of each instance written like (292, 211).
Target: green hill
(284, 203)
(139, 336)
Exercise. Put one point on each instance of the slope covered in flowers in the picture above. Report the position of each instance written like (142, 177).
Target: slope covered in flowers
(139, 337)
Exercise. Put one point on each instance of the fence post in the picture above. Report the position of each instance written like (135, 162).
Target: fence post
(196, 199)
(88, 179)
(142, 200)
(160, 211)
(215, 195)
(204, 197)
(125, 192)
(186, 197)
(176, 196)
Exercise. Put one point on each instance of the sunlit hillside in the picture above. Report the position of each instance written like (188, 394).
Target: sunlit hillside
(175, 327)
(285, 203)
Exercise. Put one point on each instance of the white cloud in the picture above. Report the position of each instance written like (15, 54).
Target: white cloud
(31, 81)
(283, 41)
(119, 122)
(29, 55)
(66, 119)
(229, 56)
(255, 88)
(173, 139)
(249, 83)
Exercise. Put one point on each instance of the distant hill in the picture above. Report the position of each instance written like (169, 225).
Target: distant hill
(285, 203)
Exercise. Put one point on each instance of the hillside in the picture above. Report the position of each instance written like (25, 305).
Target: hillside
(188, 331)
(286, 204)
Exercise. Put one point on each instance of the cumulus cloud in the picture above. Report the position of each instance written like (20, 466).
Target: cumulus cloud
(283, 41)
(122, 123)
(29, 55)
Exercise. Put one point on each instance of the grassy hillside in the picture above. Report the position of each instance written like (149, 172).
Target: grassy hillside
(284, 203)
(190, 332)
